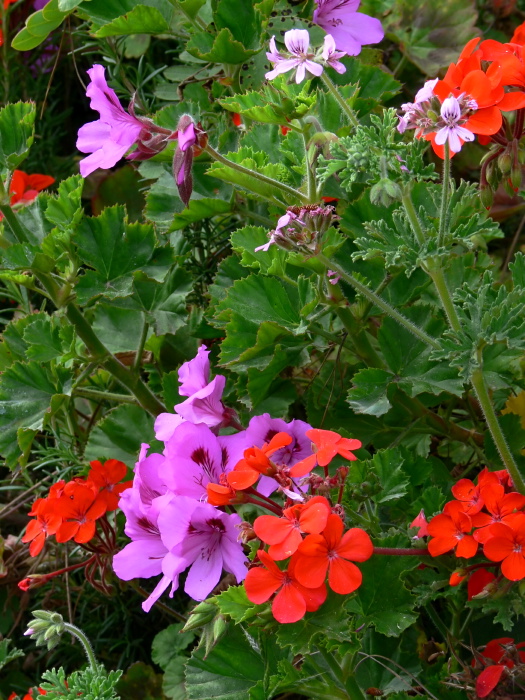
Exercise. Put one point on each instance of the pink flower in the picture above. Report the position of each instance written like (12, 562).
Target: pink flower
(297, 42)
(331, 56)
(111, 136)
(451, 131)
(349, 28)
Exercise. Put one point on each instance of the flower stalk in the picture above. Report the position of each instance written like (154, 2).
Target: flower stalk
(347, 110)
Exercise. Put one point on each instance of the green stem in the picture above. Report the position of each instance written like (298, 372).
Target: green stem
(76, 632)
(289, 191)
(354, 691)
(318, 330)
(311, 191)
(340, 99)
(104, 395)
(383, 305)
(140, 348)
(438, 622)
(357, 336)
(443, 216)
(412, 216)
(445, 297)
(196, 22)
(14, 224)
(481, 390)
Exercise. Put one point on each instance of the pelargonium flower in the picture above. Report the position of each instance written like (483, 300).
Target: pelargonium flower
(449, 530)
(450, 125)
(349, 28)
(507, 545)
(333, 552)
(332, 56)
(328, 444)
(284, 534)
(111, 136)
(299, 56)
(293, 599)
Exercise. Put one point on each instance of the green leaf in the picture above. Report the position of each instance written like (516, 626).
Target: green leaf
(517, 267)
(242, 19)
(141, 20)
(38, 26)
(168, 644)
(6, 654)
(330, 621)
(16, 133)
(45, 338)
(65, 208)
(260, 299)
(114, 249)
(390, 614)
(120, 435)
(369, 393)
(173, 682)
(255, 161)
(234, 603)
(26, 391)
(197, 210)
(270, 262)
(118, 328)
(221, 48)
(260, 381)
(228, 672)
(164, 303)
(387, 465)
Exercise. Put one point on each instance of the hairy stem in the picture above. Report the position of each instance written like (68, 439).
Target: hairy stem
(352, 118)
(289, 191)
(480, 388)
(383, 305)
(445, 193)
(445, 297)
(76, 632)
(96, 395)
(413, 218)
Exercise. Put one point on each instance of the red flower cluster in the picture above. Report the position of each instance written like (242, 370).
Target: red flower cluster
(489, 513)
(71, 509)
(505, 655)
(324, 551)
(28, 695)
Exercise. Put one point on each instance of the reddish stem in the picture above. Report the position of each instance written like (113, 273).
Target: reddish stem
(402, 552)
(69, 568)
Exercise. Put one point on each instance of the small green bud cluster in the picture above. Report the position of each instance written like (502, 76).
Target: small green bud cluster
(46, 628)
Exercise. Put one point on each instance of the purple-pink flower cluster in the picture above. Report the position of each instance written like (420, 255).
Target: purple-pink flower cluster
(172, 526)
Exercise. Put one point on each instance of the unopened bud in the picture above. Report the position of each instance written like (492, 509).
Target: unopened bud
(219, 628)
(487, 197)
(385, 192)
(46, 628)
(200, 615)
(515, 176)
(505, 162)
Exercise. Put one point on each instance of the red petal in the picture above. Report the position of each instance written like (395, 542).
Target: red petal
(485, 121)
(260, 584)
(37, 544)
(304, 466)
(314, 516)
(326, 454)
(67, 531)
(278, 441)
(440, 545)
(343, 576)
(287, 547)
(488, 679)
(513, 566)
(467, 547)
(39, 182)
(242, 477)
(477, 582)
(497, 548)
(511, 101)
(85, 532)
(271, 529)
(310, 571)
(355, 545)
(34, 528)
(322, 437)
(289, 604)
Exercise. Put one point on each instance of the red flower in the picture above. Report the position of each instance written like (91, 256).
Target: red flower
(237, 119)
(284, 534)
(327, 445)
(25, 188)
(106, 477)
(79, 507)
(46, 523)
(448, 531)
(256, 462)
(501, 507)
(333, 552)
(465, 490)
(478, 581)
(507, 545)
(456, 578)
(293, 599)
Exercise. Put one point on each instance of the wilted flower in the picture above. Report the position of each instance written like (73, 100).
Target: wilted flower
(301, 228)
(349, 28)
(192, 139)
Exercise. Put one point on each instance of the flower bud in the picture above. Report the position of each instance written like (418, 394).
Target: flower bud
(385, 192)
(515, 176)
(46, 628)
(200, 615)
(505, 162)
(487, 197)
